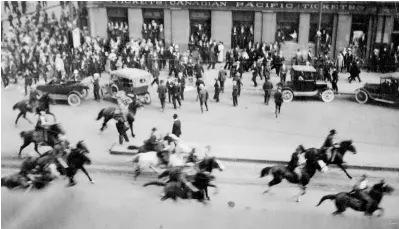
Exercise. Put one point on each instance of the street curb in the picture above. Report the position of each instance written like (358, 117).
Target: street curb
(259, 161)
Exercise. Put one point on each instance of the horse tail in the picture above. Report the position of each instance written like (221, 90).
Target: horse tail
(157, 183)
(264, 172)
(327, 197)
(22, 134)
(101, 114)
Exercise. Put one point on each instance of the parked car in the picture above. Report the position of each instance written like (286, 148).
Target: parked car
(72, 91)
(304, 83)
(131, 81)
(386, 91)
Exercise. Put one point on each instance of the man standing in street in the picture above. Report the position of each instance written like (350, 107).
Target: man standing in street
(335, 79)
(176, 129)
(267, 87)
(198, 83)
(96, 87)
(278, 99)
(176, 94)
(222, 78)
(121, 127)
(162, 94)
(235, 93)
(182, 81)
(203, 96)
(239, 83)
(217, 90)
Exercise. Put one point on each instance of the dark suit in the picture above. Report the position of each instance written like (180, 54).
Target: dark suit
(176, 129)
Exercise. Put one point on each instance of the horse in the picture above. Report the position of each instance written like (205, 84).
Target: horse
(76, 160)
(207, 165)
(339, 152)
(151, 160)
(24, 107)
(344, 200)
(109, 113)
(280, 172)
(35, 137)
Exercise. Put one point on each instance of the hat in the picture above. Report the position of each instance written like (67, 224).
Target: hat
(333, 131)
(175, 116)
(364, 176)
(154, 129)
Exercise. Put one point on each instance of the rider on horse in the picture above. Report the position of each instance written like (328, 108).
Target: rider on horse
(172, 141)
(123, 101)
(34, 99)
(328, 145)
(42, 125)
(301, 163)
(359, 191)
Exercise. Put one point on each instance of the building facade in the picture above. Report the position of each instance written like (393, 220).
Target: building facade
(369, 24)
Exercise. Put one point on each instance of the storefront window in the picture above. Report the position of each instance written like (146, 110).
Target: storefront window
(118, 24)
(287, 27)
(200, 27)
(360, 25)
(153, 27)
(242, 34)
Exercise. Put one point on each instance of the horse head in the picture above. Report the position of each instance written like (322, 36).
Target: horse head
(81, 145)
(46, 99)
(378, 190)
(347, 146)
(136, 104)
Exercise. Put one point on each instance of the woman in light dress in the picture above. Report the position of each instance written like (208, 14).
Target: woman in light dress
(221, 53)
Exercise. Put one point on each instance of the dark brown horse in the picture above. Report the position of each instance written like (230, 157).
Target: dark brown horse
(24, 107)
(36, 137)
(344, 200)
(337, 155)
(280, 172)
(109, 113)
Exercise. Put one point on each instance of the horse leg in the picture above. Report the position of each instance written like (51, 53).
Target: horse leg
(104, 125)
(131, 129)
(343, 169)
(302, 192)
(276, 180)
(381, 213)
(26, 143)
(26, 118)
(87, 174)
(37, 149)
(18, 116)
(137, 172)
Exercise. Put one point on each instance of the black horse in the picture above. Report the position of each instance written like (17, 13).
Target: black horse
(344, 200)
(76, 160)
(280, 172)
(207, 165)
(337, 155)
(36, 137)
(109, 113)
(24, 107)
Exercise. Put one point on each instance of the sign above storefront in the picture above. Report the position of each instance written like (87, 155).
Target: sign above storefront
(254, 5)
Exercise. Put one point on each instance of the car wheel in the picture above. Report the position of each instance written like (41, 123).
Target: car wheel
(288, 96)
(327, 96)
(361, 97)
(147, 98)
(74, 100)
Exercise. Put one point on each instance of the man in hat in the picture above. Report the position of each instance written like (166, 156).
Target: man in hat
(267, 87)
(96, 87)
(28, 80)
(203, 97)
(42, 125)
(176, 94)
(34, 99)
(335, 79)
(359, 191)
(162, 90)
(235, 93)
(121, 128)
(222, 78)
(75, 76)
(328, 144)
(176, 128)
(278, 100)
(301, 163)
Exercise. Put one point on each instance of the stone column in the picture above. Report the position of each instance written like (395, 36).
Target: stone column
(167, 25)
(303, 32)
(258, 27)
(269, 26)
(222, 24)
(98, 22)
(388, 29)
(333, 49)
(135, 19)
(180, 28)
(344, 31)
(380, 25)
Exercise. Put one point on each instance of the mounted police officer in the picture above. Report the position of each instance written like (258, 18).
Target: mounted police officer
(359, 191)
(301, 163)
(328, 145)
(42, 125)
(34, 97)
(123, 101)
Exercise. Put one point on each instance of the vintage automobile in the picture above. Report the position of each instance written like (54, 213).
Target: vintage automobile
(387, 91)
(131, 81)
(304, 83)
(72, 91)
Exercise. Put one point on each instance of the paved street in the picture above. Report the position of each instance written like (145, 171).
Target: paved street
(114, 202)
(248, 131)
